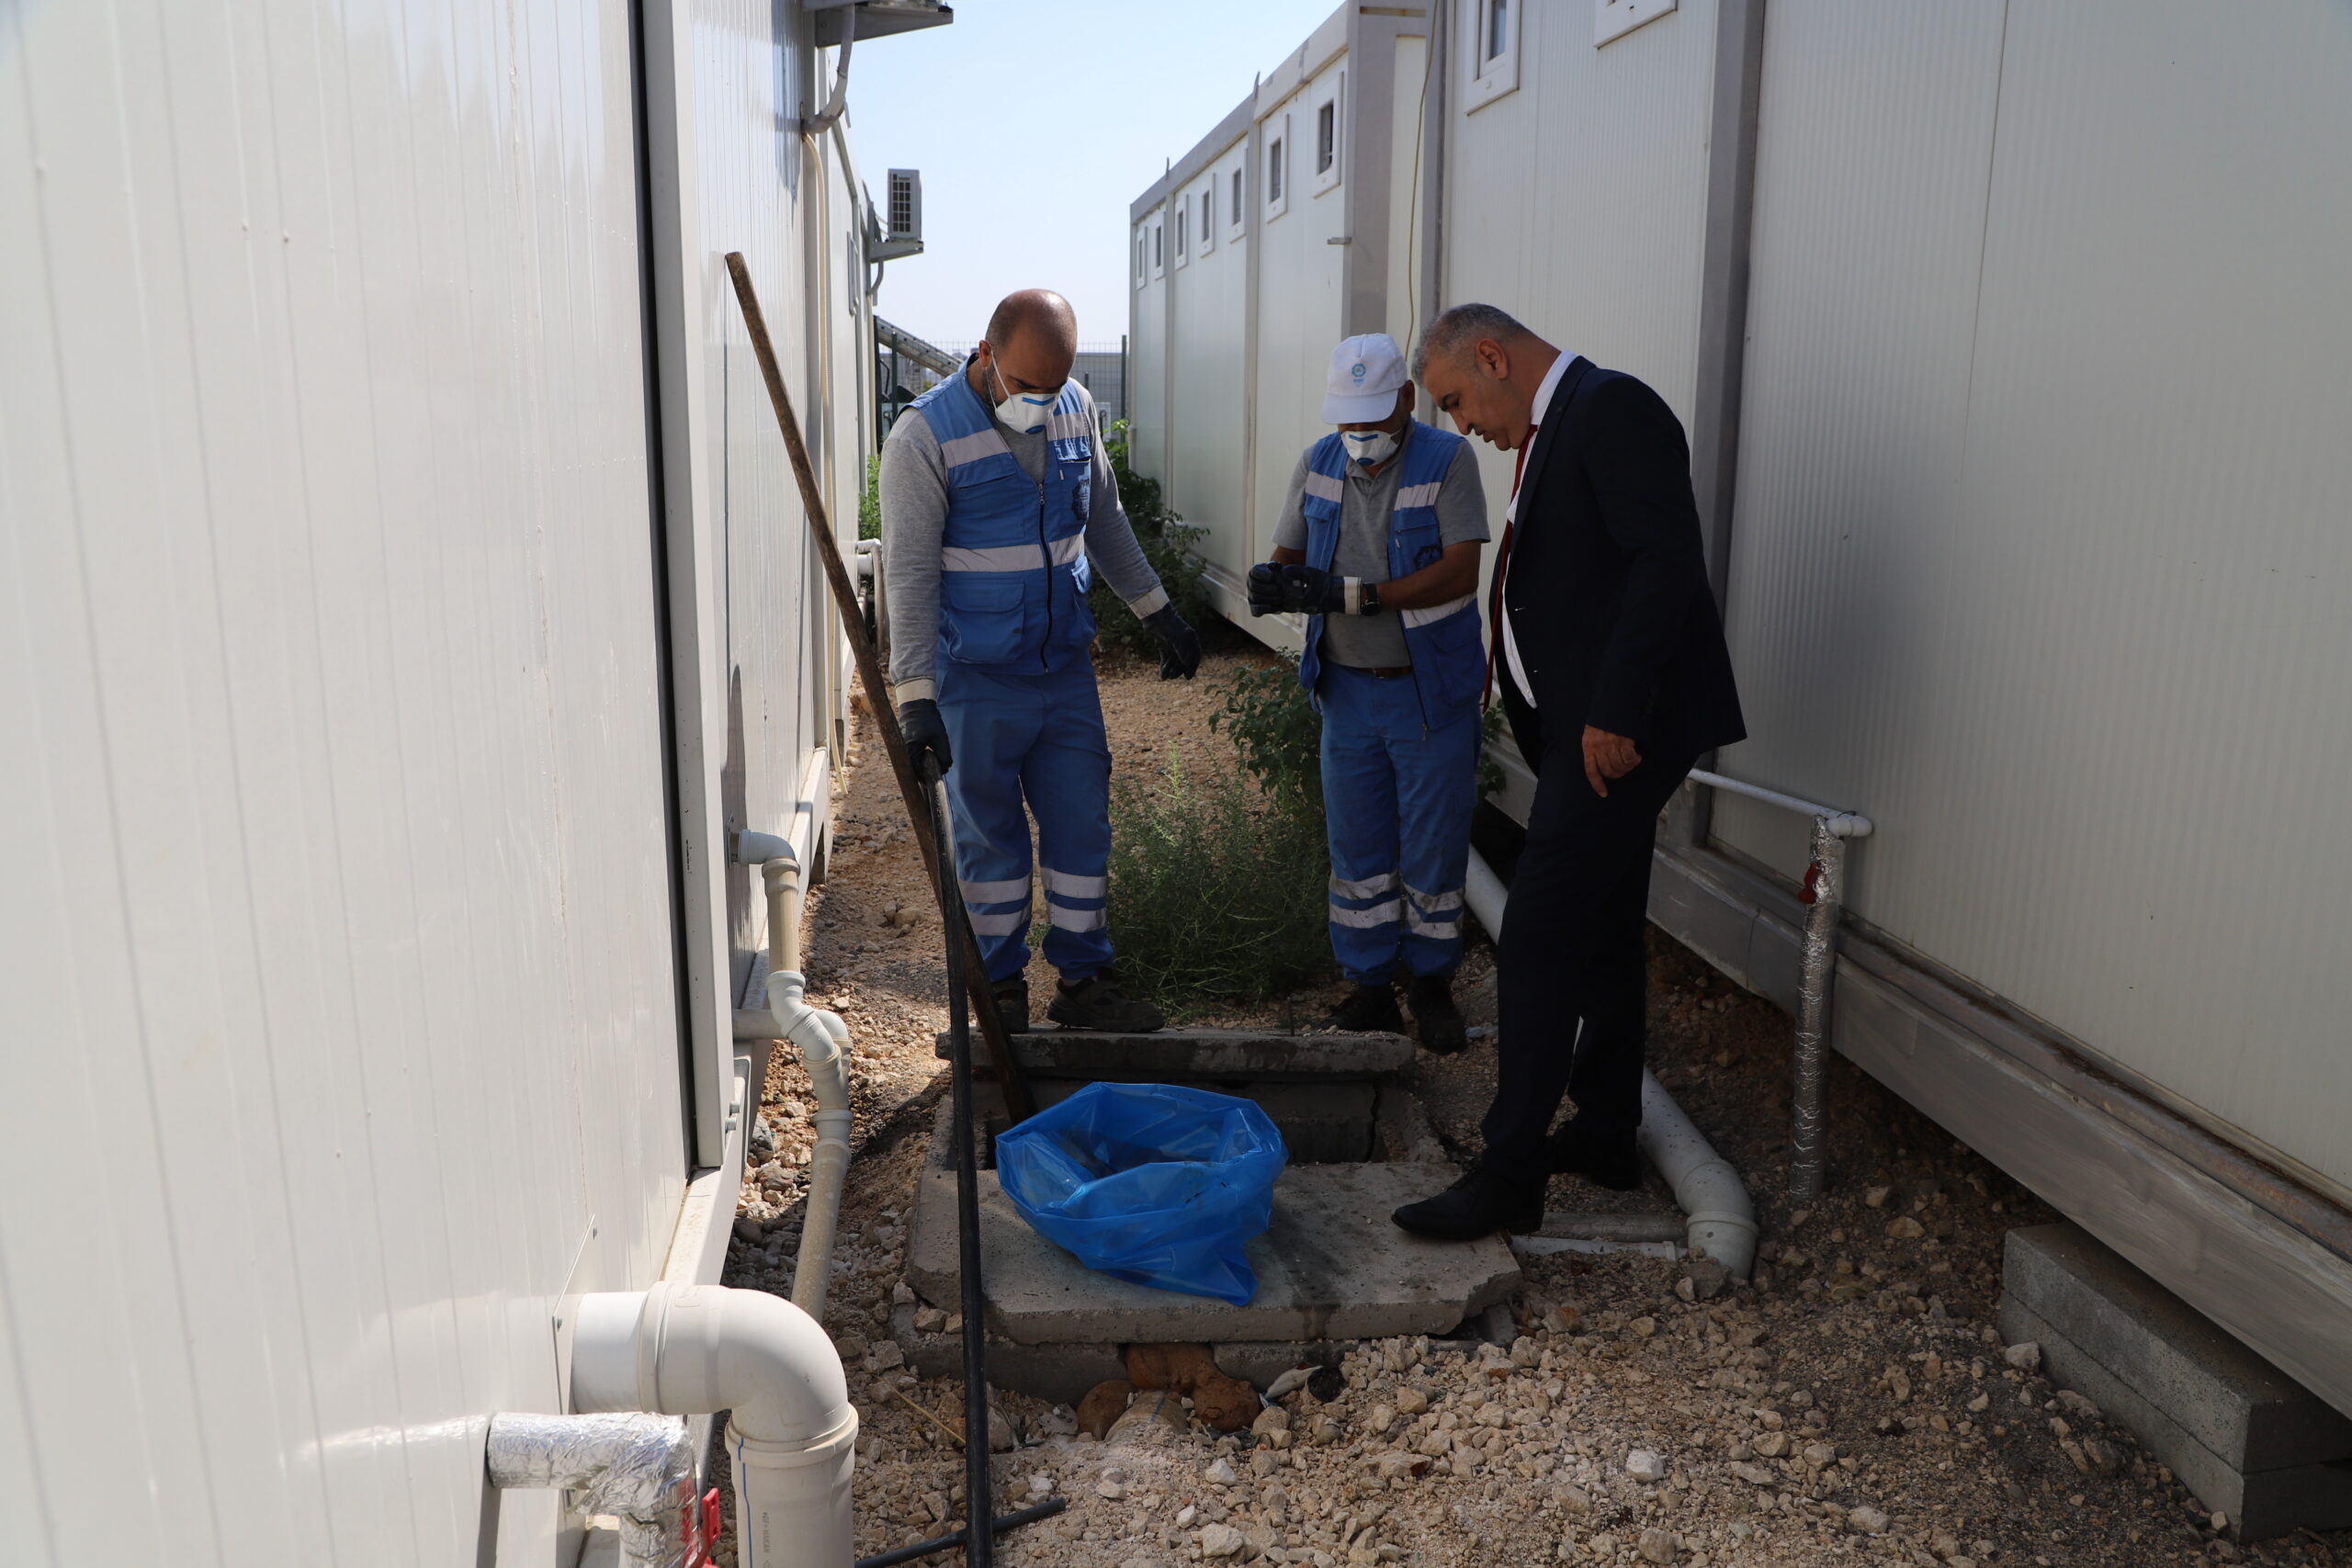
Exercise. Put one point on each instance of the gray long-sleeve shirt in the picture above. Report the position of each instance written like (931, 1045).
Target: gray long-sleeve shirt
(914, 519)
(1378, 642)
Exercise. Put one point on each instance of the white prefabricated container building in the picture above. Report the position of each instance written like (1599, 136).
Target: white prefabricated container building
(2011, 344)
(406, 600)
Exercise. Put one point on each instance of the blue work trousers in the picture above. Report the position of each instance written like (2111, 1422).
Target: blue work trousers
(1397, 795)
(1033, 741)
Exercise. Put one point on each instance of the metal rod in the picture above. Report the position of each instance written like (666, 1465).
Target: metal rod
(997, 1526)
(1825, 882)
(1017, 1097)
(980, 1547)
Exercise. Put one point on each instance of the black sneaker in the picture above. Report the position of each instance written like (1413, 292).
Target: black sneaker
(1479, 1205)
(1011, 996)
(1434, 1014)
(1097, 1003)
(1369, 1009)
(1604, 1156)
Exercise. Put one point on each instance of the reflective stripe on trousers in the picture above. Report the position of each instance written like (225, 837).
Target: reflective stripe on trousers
(1031, 746)
(1397, 797)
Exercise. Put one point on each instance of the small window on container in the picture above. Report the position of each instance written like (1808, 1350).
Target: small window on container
(1274, 170)
(1493, 54)
(1183, 211)
(1327, 137)
(1237, 199)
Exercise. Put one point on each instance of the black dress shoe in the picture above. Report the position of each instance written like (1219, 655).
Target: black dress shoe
(1434, 1014)
(1479, 1205)
(1604, 1156)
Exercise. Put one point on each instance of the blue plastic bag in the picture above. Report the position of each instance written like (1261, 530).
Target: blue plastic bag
(1148, 1182)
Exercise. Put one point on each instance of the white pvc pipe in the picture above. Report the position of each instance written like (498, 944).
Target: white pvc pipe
(1719, 1219)
(823, 1040)
(694, 1349)
(1843, 824)
(829, 116)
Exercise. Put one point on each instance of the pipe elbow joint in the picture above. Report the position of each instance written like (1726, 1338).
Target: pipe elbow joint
(694, 1350)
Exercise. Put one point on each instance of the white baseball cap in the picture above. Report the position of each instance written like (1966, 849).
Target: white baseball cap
(1366, 375)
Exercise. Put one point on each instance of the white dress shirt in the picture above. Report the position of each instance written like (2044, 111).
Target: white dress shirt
(1511, 515)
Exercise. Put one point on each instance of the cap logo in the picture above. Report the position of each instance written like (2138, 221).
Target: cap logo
(1357, 374)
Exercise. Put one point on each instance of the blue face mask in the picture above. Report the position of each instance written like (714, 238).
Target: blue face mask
(1368, 446)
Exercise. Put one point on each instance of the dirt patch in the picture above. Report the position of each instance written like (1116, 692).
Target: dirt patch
(1852, 1406)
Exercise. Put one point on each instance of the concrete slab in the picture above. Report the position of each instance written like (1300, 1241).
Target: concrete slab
(2247, 1412)
(1331, 1266)
(1063, 1373)
(2261, 1504)
(1173, 1056)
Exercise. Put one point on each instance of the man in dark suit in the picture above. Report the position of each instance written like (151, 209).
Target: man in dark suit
(1610, 654)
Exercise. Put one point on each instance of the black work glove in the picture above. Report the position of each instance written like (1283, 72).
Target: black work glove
(926, 735)
(1180, 645)
(1312, 592)
(1266, 589)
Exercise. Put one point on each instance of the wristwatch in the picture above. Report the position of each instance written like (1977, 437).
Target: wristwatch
(1371, 600)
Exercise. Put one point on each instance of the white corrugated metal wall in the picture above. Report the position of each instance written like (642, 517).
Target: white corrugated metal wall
(1576, 201)
(343, 998)
(1210, 281)
(2037, 552)
(2041, 552)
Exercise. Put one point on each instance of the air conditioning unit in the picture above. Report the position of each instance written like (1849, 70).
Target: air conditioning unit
(901, 215)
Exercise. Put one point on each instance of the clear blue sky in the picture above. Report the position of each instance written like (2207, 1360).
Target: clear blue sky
(1035, 123)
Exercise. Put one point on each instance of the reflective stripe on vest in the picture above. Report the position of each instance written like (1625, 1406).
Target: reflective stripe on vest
(1443, 657)
(1012, 549)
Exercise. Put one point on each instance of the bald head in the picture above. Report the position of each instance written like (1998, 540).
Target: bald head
(1030, 345)
(1037, 313)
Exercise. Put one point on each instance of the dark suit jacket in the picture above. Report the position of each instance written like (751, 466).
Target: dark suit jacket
(1606, 582)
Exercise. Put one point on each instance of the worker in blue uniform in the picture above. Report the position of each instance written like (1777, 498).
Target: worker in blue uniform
(1378, 546)
(998, 504)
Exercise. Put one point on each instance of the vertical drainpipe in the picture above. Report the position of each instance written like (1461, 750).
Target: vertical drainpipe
(1723, 320)
(1168, 335)
(1253, 157)
(1366, 107)
(1434, 143)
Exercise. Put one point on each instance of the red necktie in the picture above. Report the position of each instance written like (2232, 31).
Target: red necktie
(1502, 564)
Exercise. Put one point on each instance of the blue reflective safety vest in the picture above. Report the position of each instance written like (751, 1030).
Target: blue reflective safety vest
(1445, 640)
(1013, 557)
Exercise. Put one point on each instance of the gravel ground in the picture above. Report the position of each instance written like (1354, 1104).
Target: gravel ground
(1852, 1405)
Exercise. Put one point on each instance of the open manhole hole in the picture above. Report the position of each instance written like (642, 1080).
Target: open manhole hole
(1331, 1268)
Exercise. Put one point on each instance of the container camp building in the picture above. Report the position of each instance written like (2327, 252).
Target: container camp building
(2010, 341)
(406, 602)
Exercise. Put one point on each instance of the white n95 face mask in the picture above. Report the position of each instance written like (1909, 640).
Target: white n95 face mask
(1025, 411)
(1368, 446)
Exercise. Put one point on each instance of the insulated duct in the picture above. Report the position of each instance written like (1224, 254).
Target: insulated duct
(637, 1467)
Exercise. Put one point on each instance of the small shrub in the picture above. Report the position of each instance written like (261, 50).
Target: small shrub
(1491, 773)
(1167, 544)
(1217, 895)
(869, 500)
(1278, 735)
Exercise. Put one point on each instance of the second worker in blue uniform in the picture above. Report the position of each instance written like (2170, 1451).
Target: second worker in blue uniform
(1378, 546)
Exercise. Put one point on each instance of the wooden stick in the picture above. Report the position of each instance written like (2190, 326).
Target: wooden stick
(953, 1436)
(1017, 1097)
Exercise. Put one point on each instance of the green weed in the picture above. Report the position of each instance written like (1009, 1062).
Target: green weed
(1218, 894)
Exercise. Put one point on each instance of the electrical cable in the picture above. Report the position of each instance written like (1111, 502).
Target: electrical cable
(997, 1526)
(980, 1546)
